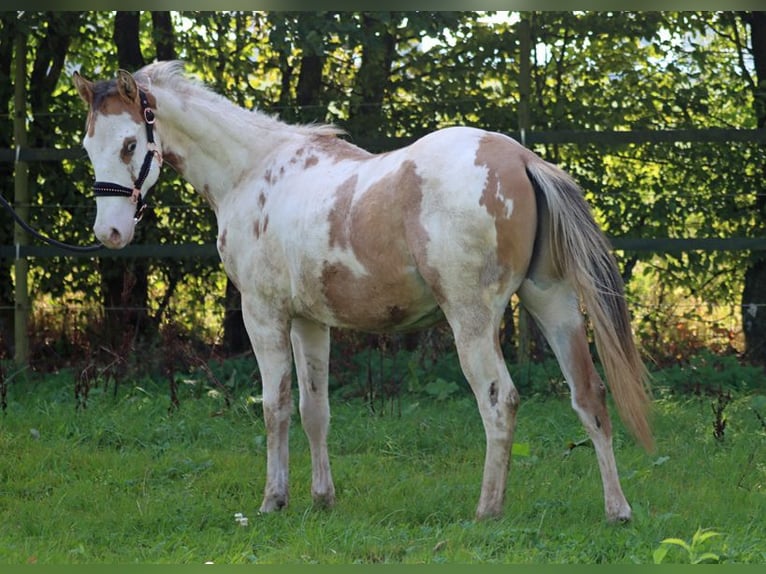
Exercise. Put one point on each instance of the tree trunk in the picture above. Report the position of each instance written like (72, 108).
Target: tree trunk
(164, 38)
(371, 84)
(309, 89)
(235, 339)
(8, 30)
(126, 33)
(754, 292)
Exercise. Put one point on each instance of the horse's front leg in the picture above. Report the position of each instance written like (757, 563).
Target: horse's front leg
(311, 348)
(271, 344)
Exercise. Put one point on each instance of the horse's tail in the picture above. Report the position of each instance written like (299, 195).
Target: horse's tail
(582, 255)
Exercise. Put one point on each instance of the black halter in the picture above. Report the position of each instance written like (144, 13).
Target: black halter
(105, 188)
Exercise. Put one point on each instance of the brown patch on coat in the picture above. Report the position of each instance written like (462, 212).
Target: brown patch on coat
(507, 181)
(205, 192)
(174, 160)
(275, 424)
(107, 101)
(380, 229)
(339, 217)
(222, 241)
(260, 226)
(297, 156)
(310, 161)
(589, 390)
(339, 150)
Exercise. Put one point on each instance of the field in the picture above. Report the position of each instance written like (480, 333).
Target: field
(128, 480)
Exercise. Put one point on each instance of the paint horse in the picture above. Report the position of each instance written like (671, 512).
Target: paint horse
(318, 233)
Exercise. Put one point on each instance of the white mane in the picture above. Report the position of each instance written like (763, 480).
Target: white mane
(170, 75)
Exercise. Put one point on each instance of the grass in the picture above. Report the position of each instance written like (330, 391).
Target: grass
(124, 481)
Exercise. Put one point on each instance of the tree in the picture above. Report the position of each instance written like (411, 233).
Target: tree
(398, 75)
(754, 292)
(8, 31)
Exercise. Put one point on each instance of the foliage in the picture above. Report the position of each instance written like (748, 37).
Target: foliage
(694, 553)
(402, 74)
(707, 374)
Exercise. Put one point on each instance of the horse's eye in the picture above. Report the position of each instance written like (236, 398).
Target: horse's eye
(131, 147)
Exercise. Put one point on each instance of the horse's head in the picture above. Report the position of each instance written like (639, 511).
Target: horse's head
(124, 149)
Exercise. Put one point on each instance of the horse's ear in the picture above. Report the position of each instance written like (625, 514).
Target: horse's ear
(84, 88)
(127, 87)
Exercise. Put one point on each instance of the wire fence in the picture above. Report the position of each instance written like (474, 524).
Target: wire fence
(721, 324)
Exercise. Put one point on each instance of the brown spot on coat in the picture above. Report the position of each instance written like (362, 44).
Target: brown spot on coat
(493, 393)
(310, 161)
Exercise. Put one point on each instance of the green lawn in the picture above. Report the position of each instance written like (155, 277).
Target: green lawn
(123, 481)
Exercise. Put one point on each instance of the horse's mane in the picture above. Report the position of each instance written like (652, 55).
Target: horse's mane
(171, 75)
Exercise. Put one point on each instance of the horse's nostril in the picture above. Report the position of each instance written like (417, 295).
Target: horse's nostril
(114, 235)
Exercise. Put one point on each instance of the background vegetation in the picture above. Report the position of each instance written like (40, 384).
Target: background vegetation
(388, 77)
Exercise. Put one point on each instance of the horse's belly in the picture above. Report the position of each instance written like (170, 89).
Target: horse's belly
(390, 300)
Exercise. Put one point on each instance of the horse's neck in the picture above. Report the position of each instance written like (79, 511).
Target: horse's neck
(212, 146)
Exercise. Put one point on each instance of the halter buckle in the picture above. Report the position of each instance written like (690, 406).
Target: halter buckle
(140, 213)
(152, 147)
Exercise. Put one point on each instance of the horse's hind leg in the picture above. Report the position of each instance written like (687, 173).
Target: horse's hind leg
(555, 307)
(311, 348)
(481, 360)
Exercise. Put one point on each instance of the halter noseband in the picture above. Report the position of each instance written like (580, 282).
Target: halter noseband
(105, 188)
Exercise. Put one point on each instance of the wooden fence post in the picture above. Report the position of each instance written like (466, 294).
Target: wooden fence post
(21, 204)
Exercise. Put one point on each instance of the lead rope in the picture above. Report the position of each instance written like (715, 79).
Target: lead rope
(49, 240)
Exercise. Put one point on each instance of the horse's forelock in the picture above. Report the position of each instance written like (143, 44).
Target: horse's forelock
(102, 90)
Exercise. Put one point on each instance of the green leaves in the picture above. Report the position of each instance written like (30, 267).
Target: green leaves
(693, 553)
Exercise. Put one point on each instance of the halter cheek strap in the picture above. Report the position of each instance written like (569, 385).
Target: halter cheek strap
(105, 188)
